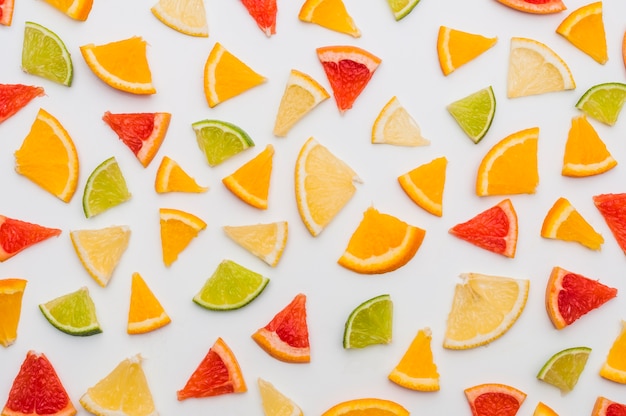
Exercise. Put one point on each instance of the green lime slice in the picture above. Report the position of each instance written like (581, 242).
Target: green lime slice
(44, 54)
(73, 313)
(231, 286)
(105, 188)
(220, 140)
(475, 113)
(563, 369)
(369, 323)
(401, 8)
(603, 102)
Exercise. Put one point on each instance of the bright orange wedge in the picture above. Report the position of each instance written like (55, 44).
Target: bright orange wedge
(456, 48)
(614, 367)
(11, 293)
(171, 177)
(368, 406)
(178, 228)
(584, 28)
(145, 313)
(251, 182)
(331, 14)
(417, 370)
(585, 152)
(424, 185)
(564, 222)
(76, 9)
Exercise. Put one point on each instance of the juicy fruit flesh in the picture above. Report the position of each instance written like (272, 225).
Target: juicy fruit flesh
(74, 313)
(17, 235)
(106, 188)
(347, 79)
(499, 404)
(45, 56)
(11, 294)
(564, 368)
(570, 302)
(133, 129)
(14, 97)
(370, 323)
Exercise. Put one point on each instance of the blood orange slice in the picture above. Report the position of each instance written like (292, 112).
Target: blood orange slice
(286, 336)
(37, 390)
(494, 399)
(264, 14)
(17, 235)
(143, 133)
(6, 12)
(14, 97)
(494, 229)
(570, 296)
(608, 407)
(613, 210)
(349, 70)
(535, 6)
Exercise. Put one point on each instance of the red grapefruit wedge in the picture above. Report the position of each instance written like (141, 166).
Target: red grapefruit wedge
(494, 399)
(6, 12)
(14, 97)
(264, 14)
(613, 210)
(607, 407)
(17, 235)
(535, 6)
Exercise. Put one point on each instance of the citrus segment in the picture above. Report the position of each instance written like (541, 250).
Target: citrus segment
(45, 55)
(331, 14)
(145, 312)
(105, 188)
(11, 294)
(14, 97)
(251, 181)
(264, 14)
(17, 235)
(417, 370)
(178, 228)
(543, 409)
(394, 125)
(570, 295)
(220, 140)
(474, 113)
(536, 7)
(564, 222)
(494, 399)
(401, 8)
(612, 207)
(563, 369)
(369, 323)
(614, 366)
(367, 406)
(76, 9)
(603, 102)
(276, 403)
(456, 48)
(381, 243)
(73, 313)
(584, 28)
(607, 407)
(425, 183)
(171, 177)
(48, 157)
(483, 309)
(6, 12)
(286, 336)
(585, 153)
(266, 241)
(184, 16)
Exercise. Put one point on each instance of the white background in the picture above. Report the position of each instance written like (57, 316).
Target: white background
(421, 291)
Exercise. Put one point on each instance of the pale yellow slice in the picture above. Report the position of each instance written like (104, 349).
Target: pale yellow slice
(184, 16)
(276, 403)
(394, 125)
(266, 241)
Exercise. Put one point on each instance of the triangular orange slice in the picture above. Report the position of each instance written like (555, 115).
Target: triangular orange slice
(171, 177)
(178, 228)
(564, 222)
(417, 370)
(17, 235)
(145, 313)
(424, 185)
(585, 153)
(251, 182)
(331, 14)
(584, 28)
(456, 47)
(11, 294)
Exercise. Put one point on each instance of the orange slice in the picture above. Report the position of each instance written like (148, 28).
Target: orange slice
(607, 407)
(266, 241)
(367, 406)
(178, 228)
(614, 367)
(251, 182)
(76, 9)
(17, 235)
(381, 243)
(417, 370)
(536, 7)
(510, 166)
(456, 48)
(564, 222)
(424, 185)
(494, 399)
(122, 64)
(584, 28)
(331, 14)
(171, 177)
(585, 153)
(226, 76)
(11, 293)
(543, 409)
(145, 313)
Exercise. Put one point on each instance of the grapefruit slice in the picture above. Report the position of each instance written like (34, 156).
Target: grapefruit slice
(607, 407)
(6, 12)
(613, 210)
(14, 97)
(569, 296)
(17, 235)
(264, 14)
(535, 6)
(494, 229)
(286, 336)
(37, 390)
(494, 399)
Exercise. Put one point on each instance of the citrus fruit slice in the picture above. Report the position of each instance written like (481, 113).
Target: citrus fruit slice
(48, 157)
(369, 323)
(286, 336)
(100, 250)
(301, 95)
(11, 294)
(38, 390)
(401, 8)
(603, 102)
(607, 407)
(612, 207)
(614, 367)
(564, 222)
(231, 286)
(417, 370)
(510, 166)
(456, 48)
(251, 181)
(178, 228)
(45, 55)
(185, 16)
(264, 14)
(584, 28)
(276, 403)
(324, 185)
(105, 188)
(367, 406)
(543, 409)
(331, 14)
(483, 309)
(226, 76)
(220, 140)
(171, 177)
(143, 133)
(534, 68)
(6, 12)
(536, 7)
(424, 185)
(381, 243)
(76, 9)
(73, 313)
(121, 64)
(564, 368)
(474, 113)
(570, 295)
(494, 399)
(145, 312)
(124, 391)
(585, 152)
(349, 70)
(218, 373)
(394, 125)
(17, 235)
(494, 229)
(14, 97)
(266, 241)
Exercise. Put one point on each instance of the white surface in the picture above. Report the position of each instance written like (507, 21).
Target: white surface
(421, 291)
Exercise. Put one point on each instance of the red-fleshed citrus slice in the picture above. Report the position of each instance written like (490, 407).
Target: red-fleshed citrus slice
(37, 390)
(349, 70)
(17, 235)
(494, 229)
(535, 6)
(494, 399)
(6, 12)
(218, 373)
(286, 336)
(613, 210)
(569, 296)
(14, 97)
(264, 14)
(608, 407)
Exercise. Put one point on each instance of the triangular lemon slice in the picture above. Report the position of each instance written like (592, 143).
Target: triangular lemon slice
(394, 125)
(266, 241)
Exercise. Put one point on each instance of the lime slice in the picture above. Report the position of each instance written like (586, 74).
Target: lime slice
(401, 8)
(73, 313)
(563, 368)
(231, 286)
(603, 102)
(105, 188)
(220, 140)
(369, 323)
(44, 54)
(475, 113)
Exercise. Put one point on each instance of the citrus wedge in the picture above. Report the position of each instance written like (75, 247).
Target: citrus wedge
(14, 97)
(474, 113)
(543, 409)
(17, 235)
(417, 370)
(612, 207)
(564, 222)
(76, 9)
(145, 313)
(105, 188)
(603, 102)
(369, 323)
(11, 294)
(614, 367)
(6, 12)
(264, 14)
(394, 125)
(185, 16)
(425, 183)
(456, 48)
(607, 407)
(331, 14)
(220, 140)
(367, 406)
(535, 7)
(73, 313)
(401, 8)
(584, 28)
(45, 55)
(266, 241)
(494, 399)
(171, 177)
(585, 152)
(563, 369)
(276, 403)
(178, 228)
(251, 181)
